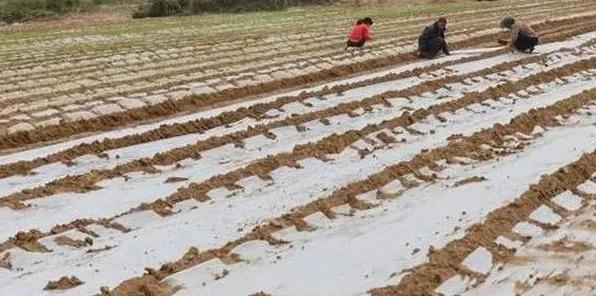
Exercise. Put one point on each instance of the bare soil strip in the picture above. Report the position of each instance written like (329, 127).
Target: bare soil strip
(64, 283)
(196, 103)
(29, 240)
(329, 145)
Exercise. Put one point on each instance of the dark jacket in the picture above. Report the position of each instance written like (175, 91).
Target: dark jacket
(430, 32)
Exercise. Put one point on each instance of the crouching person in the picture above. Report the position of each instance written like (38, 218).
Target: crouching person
(360, 33)
(523, 37)
(432, 40)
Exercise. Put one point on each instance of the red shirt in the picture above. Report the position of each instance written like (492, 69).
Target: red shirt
(360, 32)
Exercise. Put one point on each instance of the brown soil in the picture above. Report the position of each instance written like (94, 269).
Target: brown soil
(67, 241)
(105, 248)
(588, 224)
(5, 261)
(29, 240)
(262, 57)
(195, 103)
(522, 260)
(521, 288)
(175, 179)
(564, 279)
(201, 125)
(330, 145)
(425, 278)
(464, 19)
(385, 138)
(409, 33)
(469, 180)
(223, 274)
(444, 263)
(257, 111)
(523, 123)
(566, 246)
(64, 283)
(141, 286)
(160, 207)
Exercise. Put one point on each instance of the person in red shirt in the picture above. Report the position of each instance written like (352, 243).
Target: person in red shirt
(360, 33)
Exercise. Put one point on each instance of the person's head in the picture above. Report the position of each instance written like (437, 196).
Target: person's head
(359, 22)
(367, 20)
(507, 22)
(442, 22)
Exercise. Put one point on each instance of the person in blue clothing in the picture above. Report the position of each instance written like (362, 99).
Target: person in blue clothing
(432, 39)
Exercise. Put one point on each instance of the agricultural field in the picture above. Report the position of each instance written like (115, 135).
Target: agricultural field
(251, 155)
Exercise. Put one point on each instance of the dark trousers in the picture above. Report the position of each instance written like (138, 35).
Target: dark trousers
(524, 42)
(432, 47)
(351, 43)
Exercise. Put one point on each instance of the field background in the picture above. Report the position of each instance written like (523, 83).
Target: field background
(249, 154)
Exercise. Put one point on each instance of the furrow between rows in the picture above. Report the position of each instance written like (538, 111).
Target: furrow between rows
(265, 166)
(447, 262)
(471, 147)
(86, 182)
(108, 122)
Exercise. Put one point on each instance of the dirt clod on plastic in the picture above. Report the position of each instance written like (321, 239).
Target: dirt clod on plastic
(565, 246)
(5, 261)
(474, 179)
(64, 283)
(64, 240)
(145, 285)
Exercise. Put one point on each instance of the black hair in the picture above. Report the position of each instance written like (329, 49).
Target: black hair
(367, 20)
(507, 22)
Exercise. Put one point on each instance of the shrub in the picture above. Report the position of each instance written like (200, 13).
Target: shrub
(155, 8)
(164, 8)
(141, 11)
(24, 10)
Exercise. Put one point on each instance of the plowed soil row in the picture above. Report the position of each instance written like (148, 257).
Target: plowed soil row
(251, 46)
(269, 61)
(247, 51)
(330, 144)
(28, 241)
(202, 67)
(468, 147)
(407, 31)
(209, 67)
(201, 125)
(196, 103)
(22, 100)
(258, 27)
(336, 143)
(207, 44)
(536, 6)
(446, 262)
(162, 207)
(255, 111)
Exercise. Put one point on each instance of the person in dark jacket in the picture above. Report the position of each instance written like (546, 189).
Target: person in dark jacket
(432, 40)
(523, 37)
